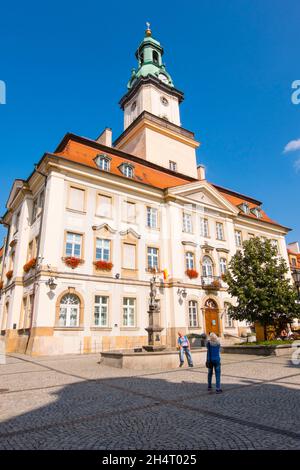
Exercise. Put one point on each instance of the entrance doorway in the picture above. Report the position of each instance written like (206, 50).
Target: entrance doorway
(211, 314)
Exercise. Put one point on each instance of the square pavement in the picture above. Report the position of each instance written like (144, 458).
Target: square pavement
(74, 402)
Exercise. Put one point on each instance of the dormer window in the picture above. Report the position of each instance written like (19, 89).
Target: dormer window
(256, 211)
(103, 162)
(245, 207)
(127, 170)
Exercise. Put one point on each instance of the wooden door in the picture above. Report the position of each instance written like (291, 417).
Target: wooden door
(212, 321)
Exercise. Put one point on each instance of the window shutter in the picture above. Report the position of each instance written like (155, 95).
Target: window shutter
(128, 256)
(77, 199)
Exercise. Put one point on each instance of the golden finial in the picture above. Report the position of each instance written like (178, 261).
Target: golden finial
(148, 30)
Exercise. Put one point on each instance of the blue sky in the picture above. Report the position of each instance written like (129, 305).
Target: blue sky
(66, 65)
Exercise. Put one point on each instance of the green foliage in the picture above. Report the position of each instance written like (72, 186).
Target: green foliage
(257, 279)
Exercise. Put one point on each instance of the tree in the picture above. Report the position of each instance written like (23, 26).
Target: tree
(257, 279)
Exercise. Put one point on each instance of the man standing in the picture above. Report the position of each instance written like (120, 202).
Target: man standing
(184, 347)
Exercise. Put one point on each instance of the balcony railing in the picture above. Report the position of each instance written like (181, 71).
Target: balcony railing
(211, 282)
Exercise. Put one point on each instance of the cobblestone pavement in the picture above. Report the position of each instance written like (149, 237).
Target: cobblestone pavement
(74, 402)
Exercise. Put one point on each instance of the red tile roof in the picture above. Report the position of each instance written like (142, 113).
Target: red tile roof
(82, 150)
(1, 251)
(143, 171)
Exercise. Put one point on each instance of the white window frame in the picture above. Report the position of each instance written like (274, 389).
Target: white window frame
(102, 245)
(223, 264)
(152, 257)
(129, 312)
(238, 238)
(204, 227)
(152, 217)
(73, 244)
(189, 260)
(101, 305)
(172, 165)
(69, 307)
(103, 162)
(193, 313)
(220, 231)
(187, 222)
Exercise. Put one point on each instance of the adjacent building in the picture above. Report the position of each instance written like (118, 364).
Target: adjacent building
(95, 219)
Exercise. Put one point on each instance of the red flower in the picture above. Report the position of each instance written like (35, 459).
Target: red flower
(192, 273)
(1, 285)
(9, 274)
(103, 265)
(72, 262)
(30, 264)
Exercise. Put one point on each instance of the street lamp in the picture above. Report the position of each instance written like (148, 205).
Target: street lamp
(296, 278)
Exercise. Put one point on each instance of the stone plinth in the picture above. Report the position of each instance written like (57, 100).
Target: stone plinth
(160, 360)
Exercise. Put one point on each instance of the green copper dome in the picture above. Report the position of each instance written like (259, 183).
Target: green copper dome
(149, 56)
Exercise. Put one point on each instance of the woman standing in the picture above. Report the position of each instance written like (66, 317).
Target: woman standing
(213, 361)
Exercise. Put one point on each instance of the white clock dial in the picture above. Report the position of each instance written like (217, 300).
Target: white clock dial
(163, 78)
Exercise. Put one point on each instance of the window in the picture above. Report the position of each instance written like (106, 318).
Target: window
(256, 211)
(207, 267)
(228, 318)
(152, 258)
(29, 312)
(189, 260)
(129, 256)
(219, 231)
(251, 235)
(129, 311)
(238, 237)
(23, 313)
(245, 207)
(155, 57)
(127, 170)
(76, 199)
(204, 227)
(17, 223)
(102, 249)
(294, 262)
(30, 251)
(103, 162)
(187, 223)
(193, 313)
(41, 199)
(34, 210)
(73, 244)
(101, 311)
(130, 212)
(274, 243)
(223, 265)
(104, 206)
(69, 311)
(172, 165)
(152, 217)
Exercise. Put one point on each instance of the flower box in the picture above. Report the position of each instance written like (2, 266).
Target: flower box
(9, 274)
(192, 273)
(29, 265)
(72, 262)
(103, 265)
(216, 284)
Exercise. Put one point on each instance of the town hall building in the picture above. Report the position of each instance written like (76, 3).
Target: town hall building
(96, 219)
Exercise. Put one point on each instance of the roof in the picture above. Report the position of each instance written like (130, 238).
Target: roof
(1, 251)
(81, 150)
(237, 199)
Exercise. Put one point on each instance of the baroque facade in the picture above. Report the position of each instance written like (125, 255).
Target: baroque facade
(94, 220)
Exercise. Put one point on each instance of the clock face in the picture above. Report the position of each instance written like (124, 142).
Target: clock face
(163, 78)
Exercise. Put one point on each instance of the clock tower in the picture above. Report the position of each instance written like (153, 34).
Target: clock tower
(151, 113)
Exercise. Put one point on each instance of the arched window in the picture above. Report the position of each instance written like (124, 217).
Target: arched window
(193, 313)
(155, 57)
(103, 162)
(223, 265)
(189, 260)
(207, 268)
(127, 170)
(69, 310)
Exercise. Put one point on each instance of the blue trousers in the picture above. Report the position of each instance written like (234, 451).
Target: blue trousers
(187, 352)
(217, 366)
